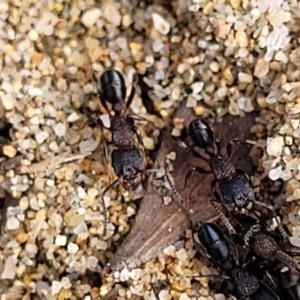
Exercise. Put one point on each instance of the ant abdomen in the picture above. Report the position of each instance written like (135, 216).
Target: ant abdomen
(212, 239)
(202, 135)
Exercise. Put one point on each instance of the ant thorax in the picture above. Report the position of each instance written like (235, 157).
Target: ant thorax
(122, 131)
(221, 168)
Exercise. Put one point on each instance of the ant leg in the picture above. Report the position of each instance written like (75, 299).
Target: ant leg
(271, 208)
(112, 185)
(225, 221)
(293, 251)
(222, 216)
(234, 251)
(189, 173)
(151, 171)
(248, 258)
(139, 136)
(231, 144)
(218, 140)
(135, 117)
(251, 232)
(131, 96)
(175, 192)
(184, 134)
(288, 261)
(212, 276)
(189, 149)
(270, 280)
(105, 150)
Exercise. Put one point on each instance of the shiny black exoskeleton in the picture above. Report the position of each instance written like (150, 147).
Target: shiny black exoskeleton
(230, 186)
(112, 89)
(212, 241)
(243, 284)
(202, 135)
(128, 165)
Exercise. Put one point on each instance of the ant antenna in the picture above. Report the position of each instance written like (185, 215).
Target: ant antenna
(175, 192)
(224, 219)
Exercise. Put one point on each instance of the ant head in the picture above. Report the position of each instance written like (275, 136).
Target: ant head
(202, 135)
(130, 184)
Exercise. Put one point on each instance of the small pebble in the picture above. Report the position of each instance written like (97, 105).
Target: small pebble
(214, 67)
(12, 223)
(90, 17)
(273, 96)
(219, 297)
(242, 38)
(275, 174)
(235, 3)
(73, 117)
(167, 200)
(295, 241)
(34, 91)
(244, 77)
(72, 248)
(261, 68)
(9, 271)
(199, 111)
(60, 240)
(9, 151)
(55, 287)
(148, 143)
(9, 102)
(169, 250)
(60, 129)
(112, 14)
(163, 295)
(208, 8)
(41, 136)
(105, 120)
(160, 24)
(182, 254)
(275, 146)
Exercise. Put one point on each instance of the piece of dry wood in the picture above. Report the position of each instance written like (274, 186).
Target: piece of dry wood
(158, 225)
(53, 163)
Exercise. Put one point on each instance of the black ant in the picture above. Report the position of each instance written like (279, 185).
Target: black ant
(263, 242)
(212, 243)
(264, 246)
(128, 162)
(231, 186)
